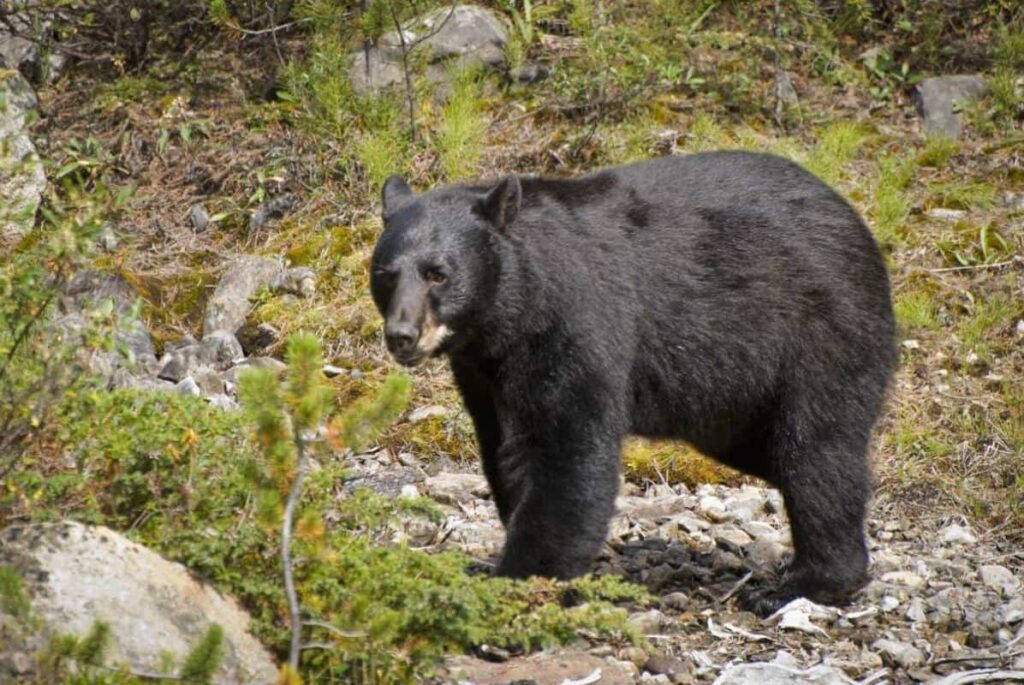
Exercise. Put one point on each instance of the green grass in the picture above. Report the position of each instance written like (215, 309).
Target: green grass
(917, 310)
(459, 138)
(891, 206)
(837, 146)
(938, 151)
(990, 313)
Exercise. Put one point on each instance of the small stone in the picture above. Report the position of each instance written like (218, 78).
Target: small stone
(1011, 612)
(904, 579)
(955, 534)
(199, 217)
(648, 622)
(255, 338)
(660, 663)
(634, 655)
(424, 413)
(911, 344)
(223, 401)
(208, 380)
(300, 281)
(189, 387)
(916, 611)
(889, 603)
(221, 348)
(765, 553)
(714, 508)
(945, 214)
(999, 579)
(409, 491)
(173, 370)
(730, 537)
(453, 488)
(332, 371)
(676, 600)
(759, 529)
(107, 239)
(904, 655)
(494, 654)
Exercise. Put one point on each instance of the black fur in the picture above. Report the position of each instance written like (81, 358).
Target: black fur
(730, 299)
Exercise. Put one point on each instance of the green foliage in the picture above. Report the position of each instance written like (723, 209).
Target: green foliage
(13, 600)
(938, 151)
(368, 417)
(92, 648)
(891, 203)
(837, 144)
(204, 659)
(459, 137)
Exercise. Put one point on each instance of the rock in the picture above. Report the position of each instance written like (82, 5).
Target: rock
(452, 488)
(222, 401)
(938, 99)
(199, 218)
(784, 89)
(545, 668)
(19, 53)
(332, 371)
(255, 338)
(209, 381)
(271, 210)
(91, 291)
(229, 304)
(714, 508)
(75, 574)
(1012, 612)
(955, 534)
(676, 600)
(777, 674)
(944, 214)
(187, 386)
(1000, 579)
(220, 349)
(22, 178)
(765, 553)
(904, 579)
(300, 281)
(107, 239)
(889, 603)
(634, 655)
(916, 611)
(904, 655)
(424, 413)
(660, 663)
(529, 72)
(730, 537)
(648, 622)
(471, 36)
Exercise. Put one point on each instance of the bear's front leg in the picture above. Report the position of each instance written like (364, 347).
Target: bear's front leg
(570, 464)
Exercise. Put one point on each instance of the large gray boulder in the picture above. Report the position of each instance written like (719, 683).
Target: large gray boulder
(938, 100)
(22, 179)
(75, 574)
(229, 305)
(90, 291)
(466, 36)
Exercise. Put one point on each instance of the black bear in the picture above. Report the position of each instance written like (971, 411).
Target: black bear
(729, 299)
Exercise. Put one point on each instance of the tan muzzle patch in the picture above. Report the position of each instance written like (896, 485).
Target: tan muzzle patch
(432, 335)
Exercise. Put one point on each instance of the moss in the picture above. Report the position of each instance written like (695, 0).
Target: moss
(673, 462)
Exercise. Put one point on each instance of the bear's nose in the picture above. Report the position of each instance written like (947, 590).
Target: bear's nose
(400, 337)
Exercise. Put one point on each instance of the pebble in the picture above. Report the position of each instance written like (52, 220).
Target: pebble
(916, 611)
(714, 508)
(904, 579)
(1000, 579)
(634, 655)
(189, 387)
(900, 653)
(889, 603)
(648, 622)
(954, 534)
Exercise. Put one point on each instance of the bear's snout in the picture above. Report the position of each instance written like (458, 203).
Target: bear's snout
(401, 338)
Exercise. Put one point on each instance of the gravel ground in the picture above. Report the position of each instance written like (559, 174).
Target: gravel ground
(944, 605)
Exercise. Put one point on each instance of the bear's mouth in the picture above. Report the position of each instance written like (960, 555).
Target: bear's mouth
(410, 359)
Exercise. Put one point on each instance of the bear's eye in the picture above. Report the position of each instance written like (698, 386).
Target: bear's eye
(434, 275)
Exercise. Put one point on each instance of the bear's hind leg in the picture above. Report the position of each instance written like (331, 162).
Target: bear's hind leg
(826, 487)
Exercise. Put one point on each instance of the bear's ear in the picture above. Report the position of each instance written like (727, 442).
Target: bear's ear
(394, 193)
(501, 204)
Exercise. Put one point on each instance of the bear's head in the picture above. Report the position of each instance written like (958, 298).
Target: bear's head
(435, 269)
